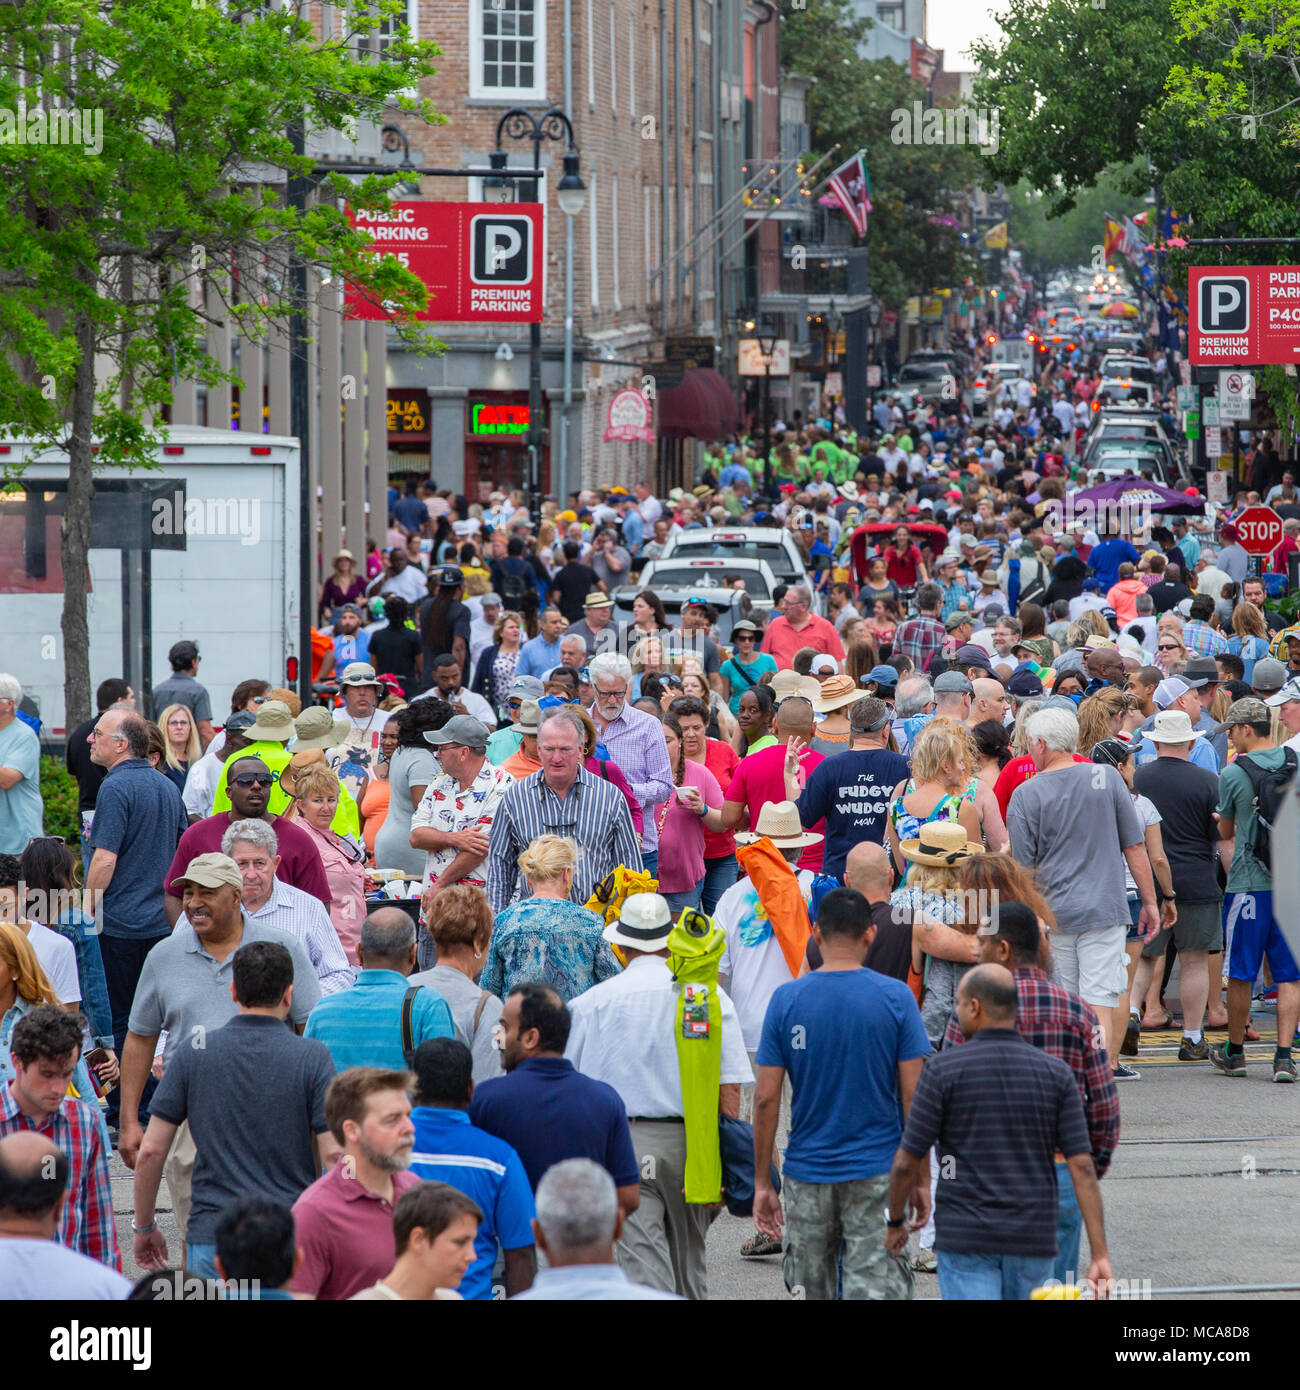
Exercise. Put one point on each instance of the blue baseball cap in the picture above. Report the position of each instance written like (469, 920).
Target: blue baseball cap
(881, 675)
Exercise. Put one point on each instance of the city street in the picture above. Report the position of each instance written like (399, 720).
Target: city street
(1202, 1191)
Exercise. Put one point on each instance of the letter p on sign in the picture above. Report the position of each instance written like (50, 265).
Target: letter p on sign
(1225, 304)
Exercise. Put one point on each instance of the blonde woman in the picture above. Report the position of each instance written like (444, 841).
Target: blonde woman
(1102, 716)
(1249, 638)
(315, 798)
(1171, 654)
(547, 938)
(180, 743)
(647, 658)
(942, 787)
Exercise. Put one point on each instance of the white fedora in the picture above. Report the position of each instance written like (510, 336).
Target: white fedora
(779, 822)
(643, 924)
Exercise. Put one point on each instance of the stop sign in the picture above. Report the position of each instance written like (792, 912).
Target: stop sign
(1260, 530)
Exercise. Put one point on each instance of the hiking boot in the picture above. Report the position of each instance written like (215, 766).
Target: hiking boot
(1190, 1051)
(759, 1245)
(1132, 1034)
(1283, 1069)
(1229, 1066)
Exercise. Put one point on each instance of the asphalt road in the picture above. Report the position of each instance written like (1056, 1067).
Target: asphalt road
(1201, 1193)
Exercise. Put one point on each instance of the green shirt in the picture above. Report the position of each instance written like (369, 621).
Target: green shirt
(503, 744)
(1237, 802)
(767, 741)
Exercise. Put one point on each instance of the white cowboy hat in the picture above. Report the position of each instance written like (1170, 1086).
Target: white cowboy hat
(849, 490)
(643, 924)
(779, 822)
(1173, 726)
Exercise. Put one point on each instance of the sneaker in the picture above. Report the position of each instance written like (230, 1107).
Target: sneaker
(1132, 1034)
(1283, 1069)
(759, 1245)
(1229, 1066)
(925, 1261)
(1190, 1051)
(1126, 1073)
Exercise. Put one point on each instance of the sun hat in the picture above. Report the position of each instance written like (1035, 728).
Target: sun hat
(273, 722)
(941, 844)
(530, 717)
(211, 871)
(744, 625)
(1173, 726)
(300, 762)
(596, 599)
(643, 924)
(788, 683)
(837, 692)
(317, 728)
(779, 822)
(359, 673)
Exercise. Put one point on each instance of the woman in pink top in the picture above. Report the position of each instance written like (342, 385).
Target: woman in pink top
(315, 794)
(694, 807)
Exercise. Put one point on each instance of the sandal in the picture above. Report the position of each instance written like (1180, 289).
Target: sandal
(1158, 1027)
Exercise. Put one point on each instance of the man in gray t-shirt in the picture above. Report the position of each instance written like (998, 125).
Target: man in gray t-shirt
(1074, 825)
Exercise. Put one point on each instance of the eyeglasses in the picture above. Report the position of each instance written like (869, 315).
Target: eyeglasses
(253, 779)
(743, 636)
(1170, 647)
(611, 695)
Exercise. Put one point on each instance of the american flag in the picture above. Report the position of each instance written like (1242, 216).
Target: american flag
(852, 189)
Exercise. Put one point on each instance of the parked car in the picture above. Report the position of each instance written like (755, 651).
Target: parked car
(708, 573)
(770, 543)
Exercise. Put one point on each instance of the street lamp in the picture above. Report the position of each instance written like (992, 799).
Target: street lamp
(766, 345)
(521, 124)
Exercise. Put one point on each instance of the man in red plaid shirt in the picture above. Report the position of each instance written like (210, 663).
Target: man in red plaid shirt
(1066, 1027)
(921, 637)
(45, 1049)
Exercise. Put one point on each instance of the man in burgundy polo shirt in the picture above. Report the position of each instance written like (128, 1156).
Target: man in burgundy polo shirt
(344, 1221)
(798, 626)
(249, 783)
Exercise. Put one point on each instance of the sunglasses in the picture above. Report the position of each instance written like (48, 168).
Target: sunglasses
(260, 699)
(252, 779)
(1170, 647)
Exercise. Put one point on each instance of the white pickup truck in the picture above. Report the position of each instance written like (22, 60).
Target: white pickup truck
(226, 507)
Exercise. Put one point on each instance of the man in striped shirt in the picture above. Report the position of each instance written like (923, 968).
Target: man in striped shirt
(1061, 1024)
(562, 799)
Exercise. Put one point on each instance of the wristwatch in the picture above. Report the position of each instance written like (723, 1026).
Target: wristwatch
(894, 1222)
(143, 1230)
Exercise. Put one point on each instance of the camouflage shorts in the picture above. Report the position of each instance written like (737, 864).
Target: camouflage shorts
(836, 1231)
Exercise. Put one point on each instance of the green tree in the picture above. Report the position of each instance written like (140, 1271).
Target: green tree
(912, 241)
(1069, 239)
(184, 111)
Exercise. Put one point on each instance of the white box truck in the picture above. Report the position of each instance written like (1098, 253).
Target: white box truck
(221, 516)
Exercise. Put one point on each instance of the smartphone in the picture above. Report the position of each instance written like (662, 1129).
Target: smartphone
(96, 1057)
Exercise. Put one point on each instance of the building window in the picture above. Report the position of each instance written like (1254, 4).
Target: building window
(593, 224)
(613, 247)
(507, 49)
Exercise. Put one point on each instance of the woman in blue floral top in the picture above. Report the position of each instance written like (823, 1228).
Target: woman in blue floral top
(547, 938)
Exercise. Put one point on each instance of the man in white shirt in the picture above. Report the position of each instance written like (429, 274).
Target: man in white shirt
(1024, 389)
(481, 624)
(203, 777)
(1003, 416)
(648, 504)
(446, 686)
(400, 577)
(1064, 413)
(891, 455)
(624, 1033)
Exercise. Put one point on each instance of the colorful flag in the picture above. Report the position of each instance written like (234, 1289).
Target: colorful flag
(1113, 237)
(851, 188)
(995, 239)
(1134, 243)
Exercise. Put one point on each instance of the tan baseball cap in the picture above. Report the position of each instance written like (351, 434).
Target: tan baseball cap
(211, 871)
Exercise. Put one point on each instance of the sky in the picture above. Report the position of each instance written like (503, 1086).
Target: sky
(954, 25)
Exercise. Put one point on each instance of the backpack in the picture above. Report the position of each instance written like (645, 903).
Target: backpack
(513, 586)
(1270, 786)
(1033, 591)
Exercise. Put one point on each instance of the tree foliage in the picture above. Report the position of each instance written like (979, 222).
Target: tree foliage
(854, 103)
(105, 242)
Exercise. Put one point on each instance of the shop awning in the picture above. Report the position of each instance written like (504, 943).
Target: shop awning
(703, 406)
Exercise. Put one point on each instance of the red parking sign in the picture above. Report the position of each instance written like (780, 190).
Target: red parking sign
(482, 262)
(1259, 529)
(1243, 315)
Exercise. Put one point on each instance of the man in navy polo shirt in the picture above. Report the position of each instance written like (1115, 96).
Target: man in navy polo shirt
(546, 1109)
(448, 1148)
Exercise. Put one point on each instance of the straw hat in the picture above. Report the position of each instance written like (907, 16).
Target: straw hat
(940, 843)
(297, 765)
(836, 692)
(779, 822)
(788, 683)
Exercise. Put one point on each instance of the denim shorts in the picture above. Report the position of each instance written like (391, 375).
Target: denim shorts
(1134, 912)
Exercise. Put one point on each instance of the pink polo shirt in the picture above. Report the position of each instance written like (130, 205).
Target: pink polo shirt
(345, 1234)
(781, 641)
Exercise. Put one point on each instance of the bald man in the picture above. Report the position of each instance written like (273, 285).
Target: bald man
(889, 942)
(998, 1107)
(988, 702)
(33, 1189)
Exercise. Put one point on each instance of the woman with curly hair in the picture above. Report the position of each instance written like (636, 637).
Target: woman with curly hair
(941, 788)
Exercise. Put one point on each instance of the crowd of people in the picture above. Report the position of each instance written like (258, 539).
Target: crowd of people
(496, 972)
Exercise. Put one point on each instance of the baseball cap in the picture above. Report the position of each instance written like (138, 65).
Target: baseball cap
(1169, 690)
(240, 720)
(449, 576)
(957, 617)
(1290, 691)
(1246, 711)
(953, 683)
(461, 728)
(1110, 750)
(211, 871)
(1024, 685)
(972, 655)
(528, 687)
(1269, 675)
